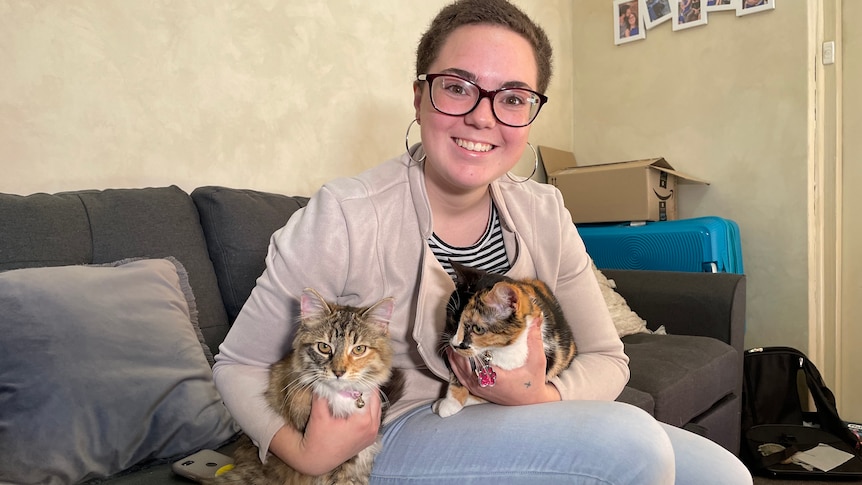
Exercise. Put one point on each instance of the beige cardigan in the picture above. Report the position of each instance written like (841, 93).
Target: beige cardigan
(364, 238)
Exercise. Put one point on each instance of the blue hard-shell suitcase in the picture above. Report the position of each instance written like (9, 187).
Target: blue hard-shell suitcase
(701, 244)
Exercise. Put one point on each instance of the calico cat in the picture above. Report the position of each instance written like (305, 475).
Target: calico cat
(339, 352)
(487, 318)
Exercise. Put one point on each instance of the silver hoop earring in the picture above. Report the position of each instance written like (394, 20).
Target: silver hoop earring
(407, 143)
(535, 166)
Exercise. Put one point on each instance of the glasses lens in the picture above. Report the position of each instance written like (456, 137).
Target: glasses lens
(516, 107)
(453, 95)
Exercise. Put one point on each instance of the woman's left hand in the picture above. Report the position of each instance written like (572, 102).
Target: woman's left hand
(524, 385)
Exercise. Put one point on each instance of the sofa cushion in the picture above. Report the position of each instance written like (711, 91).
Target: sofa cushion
(93, 226)
(685, 375)
(101, 369)
(238, 224)
(637, 398)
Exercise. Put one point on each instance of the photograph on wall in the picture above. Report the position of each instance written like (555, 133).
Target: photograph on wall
(753, 6)
(628, 21)
(687, 14)
(655, 12)
(719, 5)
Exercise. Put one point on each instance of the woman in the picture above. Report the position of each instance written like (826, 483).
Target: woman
(481, 69)
(631, 24)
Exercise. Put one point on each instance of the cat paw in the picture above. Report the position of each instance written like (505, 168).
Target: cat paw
(446, 407)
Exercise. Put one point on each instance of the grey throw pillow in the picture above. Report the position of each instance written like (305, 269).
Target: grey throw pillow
(101, 370)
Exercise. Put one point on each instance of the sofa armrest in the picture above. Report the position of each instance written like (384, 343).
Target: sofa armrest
(705, 304)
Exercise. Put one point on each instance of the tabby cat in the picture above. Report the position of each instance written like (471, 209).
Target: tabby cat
(487, 318)
(339, 352)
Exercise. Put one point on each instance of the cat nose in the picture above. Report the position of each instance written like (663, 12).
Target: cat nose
(338, 372)
(464, 345)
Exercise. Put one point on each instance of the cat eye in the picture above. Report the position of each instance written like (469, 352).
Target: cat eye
(324, 348)
(359, 349)
(477, 330)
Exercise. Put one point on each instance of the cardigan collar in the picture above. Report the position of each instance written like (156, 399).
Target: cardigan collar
(435, 285)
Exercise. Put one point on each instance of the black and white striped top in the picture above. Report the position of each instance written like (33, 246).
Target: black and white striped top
(488, 254)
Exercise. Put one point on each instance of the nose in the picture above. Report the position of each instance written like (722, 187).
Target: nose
(460, 343)
(338, 373)
(482, 115)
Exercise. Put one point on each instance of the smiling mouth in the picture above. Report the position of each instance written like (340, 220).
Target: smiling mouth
(473, 146)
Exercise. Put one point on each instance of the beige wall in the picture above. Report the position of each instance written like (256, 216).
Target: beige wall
(284, 95)
(727, 102)
(265, 94)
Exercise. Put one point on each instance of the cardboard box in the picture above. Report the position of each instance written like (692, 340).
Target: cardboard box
(638, 190)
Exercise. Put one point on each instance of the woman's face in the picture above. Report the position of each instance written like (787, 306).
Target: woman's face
(468, 152)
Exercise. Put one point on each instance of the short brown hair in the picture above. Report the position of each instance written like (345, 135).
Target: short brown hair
(490, 12)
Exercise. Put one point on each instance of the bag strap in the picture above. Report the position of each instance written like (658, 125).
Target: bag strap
(827, 410)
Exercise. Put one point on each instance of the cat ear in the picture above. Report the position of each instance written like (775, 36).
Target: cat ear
(459, 271)
(464, 274)
(381, 312)
(311, 303)
(503, 299)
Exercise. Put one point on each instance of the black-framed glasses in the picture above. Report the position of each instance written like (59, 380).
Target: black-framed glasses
(455, 96)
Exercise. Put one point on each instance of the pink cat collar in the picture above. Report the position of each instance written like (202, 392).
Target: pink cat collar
(356, 396)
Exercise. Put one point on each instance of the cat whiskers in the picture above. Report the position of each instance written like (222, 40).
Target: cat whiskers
(297, 385)
(474, 363)
(384, 399)
(453, 306)
(363, 383)
(366, 383)
(444, 342)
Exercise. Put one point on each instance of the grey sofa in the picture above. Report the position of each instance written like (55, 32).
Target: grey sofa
(690, 378)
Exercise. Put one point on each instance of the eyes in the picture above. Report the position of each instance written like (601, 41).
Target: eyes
(477, 329)
(514, 100)
(510, 98)
(357, 351)
(457, 89)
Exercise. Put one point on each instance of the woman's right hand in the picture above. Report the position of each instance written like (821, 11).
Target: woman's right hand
(328, 441)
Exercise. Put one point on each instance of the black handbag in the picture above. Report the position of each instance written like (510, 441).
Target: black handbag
(775, 426)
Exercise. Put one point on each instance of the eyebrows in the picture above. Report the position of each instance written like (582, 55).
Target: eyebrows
(475, 79)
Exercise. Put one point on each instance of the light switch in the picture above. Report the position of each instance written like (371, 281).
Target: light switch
(829, 52)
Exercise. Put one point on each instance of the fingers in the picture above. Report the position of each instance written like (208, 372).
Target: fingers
(536, 348)
(319, 406)
(461, 367)
(361, 426)
(521, 385)
(355, 433)
(375, 407)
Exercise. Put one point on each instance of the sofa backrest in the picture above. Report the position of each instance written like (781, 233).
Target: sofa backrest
(93, 227)
(238, 224)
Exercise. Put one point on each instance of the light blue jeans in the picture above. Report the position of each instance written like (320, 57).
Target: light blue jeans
(571, 442)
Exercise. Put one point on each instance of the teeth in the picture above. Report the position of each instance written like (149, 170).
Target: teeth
(473, 147)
